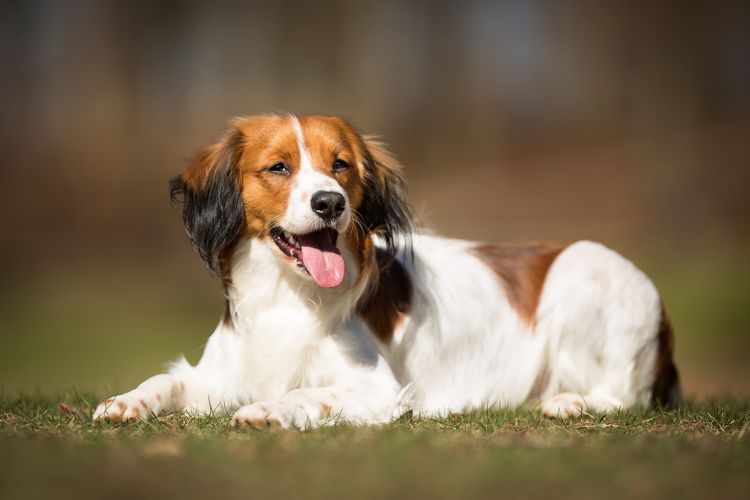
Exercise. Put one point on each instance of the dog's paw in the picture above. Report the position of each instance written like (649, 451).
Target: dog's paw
(123, 408)
(564, 406)
(268, 415)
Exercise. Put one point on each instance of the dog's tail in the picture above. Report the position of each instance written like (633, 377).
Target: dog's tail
(666, 390)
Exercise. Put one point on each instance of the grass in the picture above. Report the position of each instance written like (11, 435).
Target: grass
(49, 448)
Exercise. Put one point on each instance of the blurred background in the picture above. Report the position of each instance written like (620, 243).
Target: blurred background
(623, 122)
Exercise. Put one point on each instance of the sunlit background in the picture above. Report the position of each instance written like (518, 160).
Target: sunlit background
(624, 122)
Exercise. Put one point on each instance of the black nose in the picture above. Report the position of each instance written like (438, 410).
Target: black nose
(327, 204)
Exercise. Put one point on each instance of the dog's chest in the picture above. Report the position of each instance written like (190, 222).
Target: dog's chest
(278, 346)
(283, 324)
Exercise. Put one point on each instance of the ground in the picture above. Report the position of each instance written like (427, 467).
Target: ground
(49, 448)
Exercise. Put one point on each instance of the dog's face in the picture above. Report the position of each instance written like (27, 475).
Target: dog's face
(302, 181)
(298, 184)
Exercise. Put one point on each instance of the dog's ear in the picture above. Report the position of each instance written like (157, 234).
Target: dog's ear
(385, 210)
(212, 210)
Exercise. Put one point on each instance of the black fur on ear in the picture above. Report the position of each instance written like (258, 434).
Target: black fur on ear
(211, 195)
(385, 210)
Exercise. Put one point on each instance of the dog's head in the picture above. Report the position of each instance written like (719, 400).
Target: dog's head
(303, 185)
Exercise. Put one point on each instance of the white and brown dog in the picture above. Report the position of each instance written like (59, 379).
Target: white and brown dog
(338, 311)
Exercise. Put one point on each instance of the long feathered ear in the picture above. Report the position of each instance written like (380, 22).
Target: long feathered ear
(385, 210)
(210, 191)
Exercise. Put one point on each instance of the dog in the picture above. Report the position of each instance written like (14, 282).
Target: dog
(339, 310)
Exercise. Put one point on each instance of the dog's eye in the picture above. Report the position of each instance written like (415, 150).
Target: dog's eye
(340, 165)
(279, 169)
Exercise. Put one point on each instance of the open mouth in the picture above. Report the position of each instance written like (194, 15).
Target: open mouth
(314, 252)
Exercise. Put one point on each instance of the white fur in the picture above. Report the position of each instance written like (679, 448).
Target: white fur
(299, 356)
(296, 354)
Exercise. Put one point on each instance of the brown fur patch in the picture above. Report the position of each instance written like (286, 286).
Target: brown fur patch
(385, 307)
(268, 140)
(522, 268)
(362, 247)
(666, 390)
(325, 410)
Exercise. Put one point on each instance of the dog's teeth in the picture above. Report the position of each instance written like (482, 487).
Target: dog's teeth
(292, 241)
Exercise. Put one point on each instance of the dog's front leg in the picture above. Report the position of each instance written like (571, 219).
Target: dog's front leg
(313, 407)
(348, 381)
(159, 394)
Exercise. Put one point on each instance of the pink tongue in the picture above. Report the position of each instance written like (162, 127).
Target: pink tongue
(321, 258)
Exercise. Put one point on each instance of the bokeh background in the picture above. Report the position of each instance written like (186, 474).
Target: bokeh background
(623, 122)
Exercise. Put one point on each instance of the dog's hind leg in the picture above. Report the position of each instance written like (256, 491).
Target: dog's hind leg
(601, 316)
